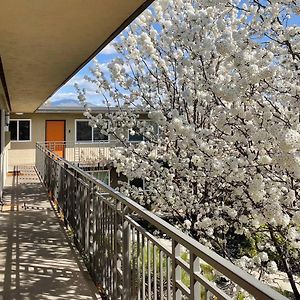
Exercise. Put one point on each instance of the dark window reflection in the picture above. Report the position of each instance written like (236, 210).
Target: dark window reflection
(24, 130)
(98, 136)
(137, 182)
(83, 131)
(135, 137)
(13, 130)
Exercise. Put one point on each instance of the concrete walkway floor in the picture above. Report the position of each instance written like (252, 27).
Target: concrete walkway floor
(37, 261)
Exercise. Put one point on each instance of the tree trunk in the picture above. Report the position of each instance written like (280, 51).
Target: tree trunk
(286, 266)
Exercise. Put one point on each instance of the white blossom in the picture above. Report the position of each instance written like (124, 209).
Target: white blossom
(220, 79)
(272, 267)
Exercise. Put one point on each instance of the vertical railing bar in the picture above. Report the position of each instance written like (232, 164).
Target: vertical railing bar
(168, 278)
(103, 244)
(149, 268)
(176, 270)
(111, 259)
(115, 258)
(133, 261)
(161, 274)
(106, 246)
(107, 262)
(119, 249)
(138, 265)
(206, 297)
(143, 271)
(101, 236)
(91, 212)
(108, 258)
(195, 286)
(154, 272)
(96, 235)
(126, 259)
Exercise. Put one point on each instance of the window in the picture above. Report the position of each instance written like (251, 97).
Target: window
(20, 130)
(102, 175)
(138, 137)
(139, 183)
(84, 133)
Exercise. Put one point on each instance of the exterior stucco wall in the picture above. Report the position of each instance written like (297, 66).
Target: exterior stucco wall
(23, 153)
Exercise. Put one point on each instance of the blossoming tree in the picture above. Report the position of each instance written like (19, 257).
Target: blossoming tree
(220, 150)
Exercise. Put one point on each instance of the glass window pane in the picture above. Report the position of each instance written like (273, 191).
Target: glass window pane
(24, 130)
(137, 182)
(98, 136)
(13, 130)
(102, 175)
(83, 131)
(154, 127)
(135, 137)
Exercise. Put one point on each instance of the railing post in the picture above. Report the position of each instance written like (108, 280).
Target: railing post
(92, 228)
(126, 261)
(116, 252)
(195, 286)
(86, 220)
(176, 270)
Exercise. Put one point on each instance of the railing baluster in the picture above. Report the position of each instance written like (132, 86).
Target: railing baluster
(106, 274)
(120, 249)
(168, 278)
(115, 258)
(111, 246)
(195, 286)
(138, 265)
(133, 263)
(126, 260)
(97, 237)
(154, 272)
(149, 268)
(143, 270)
(161, 274)
(176, 270)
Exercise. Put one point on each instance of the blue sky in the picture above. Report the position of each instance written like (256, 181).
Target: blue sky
(67, 93)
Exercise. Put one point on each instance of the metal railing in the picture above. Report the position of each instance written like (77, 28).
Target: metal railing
(81, 152)
(124, 257)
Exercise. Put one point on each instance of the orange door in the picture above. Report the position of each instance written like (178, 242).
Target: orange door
(55, 136)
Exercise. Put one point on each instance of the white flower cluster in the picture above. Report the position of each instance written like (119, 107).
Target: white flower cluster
(220, 79)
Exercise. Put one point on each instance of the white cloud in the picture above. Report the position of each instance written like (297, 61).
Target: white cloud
(104, 67)
(108, 50)
(63, 95)
(79, 79)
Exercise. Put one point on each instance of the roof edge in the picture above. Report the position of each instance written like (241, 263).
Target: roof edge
(92, 109)
(4, 85)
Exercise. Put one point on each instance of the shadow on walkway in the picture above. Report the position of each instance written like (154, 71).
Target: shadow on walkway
(36, 259)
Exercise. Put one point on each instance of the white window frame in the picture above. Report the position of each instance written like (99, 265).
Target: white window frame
(30, 131)
(92, 141)
(101, 171)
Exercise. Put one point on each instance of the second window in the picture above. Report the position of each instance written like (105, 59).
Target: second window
(87, 134)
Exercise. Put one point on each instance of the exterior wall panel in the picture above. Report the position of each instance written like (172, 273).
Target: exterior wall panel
(24, 152)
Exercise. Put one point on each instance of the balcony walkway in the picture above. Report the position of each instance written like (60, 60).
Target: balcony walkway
(37, 260)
